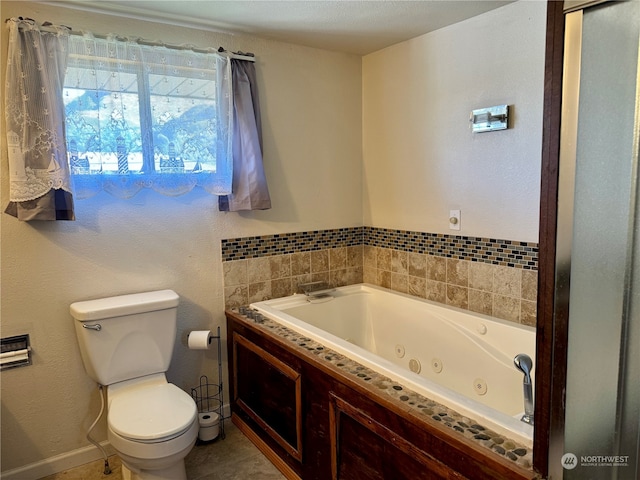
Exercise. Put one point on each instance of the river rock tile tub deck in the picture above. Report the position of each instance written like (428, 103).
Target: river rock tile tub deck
(469, 428)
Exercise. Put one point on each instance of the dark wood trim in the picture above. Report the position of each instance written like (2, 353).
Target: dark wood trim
(551, 343)
(264, 448)
(334, 432)
(286, 370)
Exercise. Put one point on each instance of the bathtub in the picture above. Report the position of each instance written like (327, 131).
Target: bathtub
(452, 356)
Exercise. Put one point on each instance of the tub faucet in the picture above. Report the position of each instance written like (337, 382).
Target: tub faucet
(523, 363)
(316, 289)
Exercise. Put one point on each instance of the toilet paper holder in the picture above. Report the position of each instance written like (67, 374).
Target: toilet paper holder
(209, 398)
(209, 401)
(15, 352)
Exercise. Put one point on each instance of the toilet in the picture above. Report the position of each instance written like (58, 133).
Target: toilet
(126, 343)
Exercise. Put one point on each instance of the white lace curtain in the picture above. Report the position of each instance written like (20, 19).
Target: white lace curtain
(88, 114)
(40, 185)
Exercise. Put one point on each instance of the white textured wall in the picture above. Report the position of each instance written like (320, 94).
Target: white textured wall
(420, 158)
(311, 106)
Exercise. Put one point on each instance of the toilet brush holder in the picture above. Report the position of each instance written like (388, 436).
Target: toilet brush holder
(209, 426)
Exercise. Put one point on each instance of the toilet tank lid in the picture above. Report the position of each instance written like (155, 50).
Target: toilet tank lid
(124, 305)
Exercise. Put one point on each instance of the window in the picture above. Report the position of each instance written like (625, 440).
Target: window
(146, 116)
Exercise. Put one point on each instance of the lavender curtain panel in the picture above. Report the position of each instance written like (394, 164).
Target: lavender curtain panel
(249, 186)
(39, 183)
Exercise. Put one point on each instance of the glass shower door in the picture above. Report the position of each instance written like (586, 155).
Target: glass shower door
(599, 241)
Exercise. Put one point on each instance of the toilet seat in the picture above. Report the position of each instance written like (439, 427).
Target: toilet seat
(151, 413)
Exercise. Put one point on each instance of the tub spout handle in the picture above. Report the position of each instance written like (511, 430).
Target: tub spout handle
(524, 364)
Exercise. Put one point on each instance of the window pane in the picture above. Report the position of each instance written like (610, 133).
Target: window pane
(103, 125)
(183, 121)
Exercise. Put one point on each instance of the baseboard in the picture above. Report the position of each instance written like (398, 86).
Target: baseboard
(58, 463)
(226, 411)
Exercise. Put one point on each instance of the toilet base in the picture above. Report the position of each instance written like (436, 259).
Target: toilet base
(154, 461)
(175, 472)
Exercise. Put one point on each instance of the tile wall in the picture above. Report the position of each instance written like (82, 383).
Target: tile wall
(489, 276)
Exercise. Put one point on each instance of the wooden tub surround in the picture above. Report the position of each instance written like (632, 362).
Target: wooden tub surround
(316, 414)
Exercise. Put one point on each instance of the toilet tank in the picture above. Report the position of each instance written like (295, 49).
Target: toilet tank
(127, 336)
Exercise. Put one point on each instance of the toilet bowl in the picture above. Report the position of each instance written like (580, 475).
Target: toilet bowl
(152, 426)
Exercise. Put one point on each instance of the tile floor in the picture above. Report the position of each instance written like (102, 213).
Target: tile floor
(234, 458)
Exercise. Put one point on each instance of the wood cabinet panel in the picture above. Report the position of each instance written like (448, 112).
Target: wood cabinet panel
(364, 449)
(269, 392)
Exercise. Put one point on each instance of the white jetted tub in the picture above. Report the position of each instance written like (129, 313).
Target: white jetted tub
(452, 356)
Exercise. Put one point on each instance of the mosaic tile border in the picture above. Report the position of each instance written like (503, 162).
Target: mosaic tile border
(286, 243)
(469, 428)
(476, 249)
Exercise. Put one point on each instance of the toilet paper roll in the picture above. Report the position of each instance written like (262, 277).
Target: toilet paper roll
(199, 339)
(209, 426)
(208, 419)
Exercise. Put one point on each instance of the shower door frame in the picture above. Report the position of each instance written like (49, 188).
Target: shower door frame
(552, 326)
